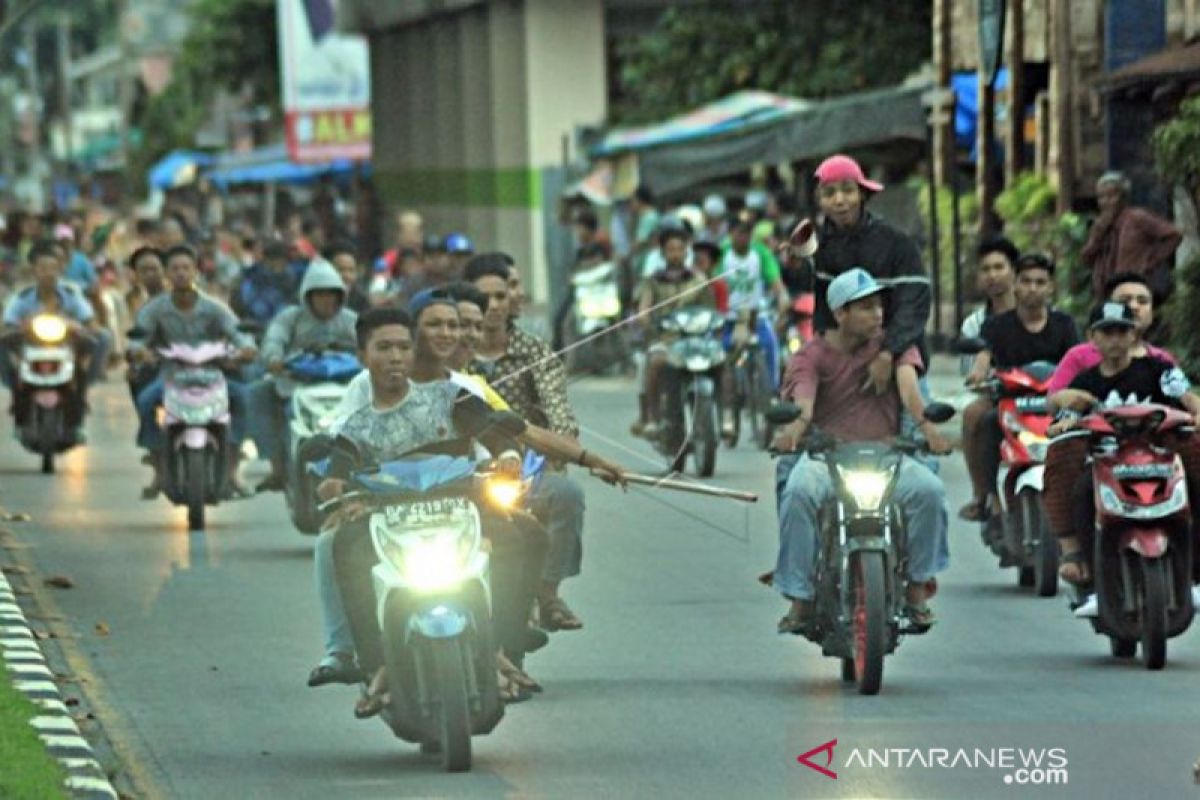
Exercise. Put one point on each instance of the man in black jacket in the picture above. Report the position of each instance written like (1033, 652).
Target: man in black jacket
(850, 236)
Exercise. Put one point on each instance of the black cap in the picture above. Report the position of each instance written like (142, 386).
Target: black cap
(1112, 315)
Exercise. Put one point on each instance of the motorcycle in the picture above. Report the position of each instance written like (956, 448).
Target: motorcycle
(321, 380)
(596, 310)
(1018, 533)
(1141, 559)
(689, 403)
(433, 597)
(194, 463)
(752, 387)
(47, 384)
(861, 560)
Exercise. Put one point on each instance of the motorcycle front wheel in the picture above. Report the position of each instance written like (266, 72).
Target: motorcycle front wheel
(869, 620)
(450, 678)
(48, 421)
(1154, 612)
(196, 468)
(1045, 546)
(704, 437)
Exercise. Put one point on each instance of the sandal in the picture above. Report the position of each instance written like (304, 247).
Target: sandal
(374, 698)
(1082, 573)
(921, 616)
(510, 690)
(336, 668)
(514, 674)
(556, 615)
(795, 621)
(974, 511)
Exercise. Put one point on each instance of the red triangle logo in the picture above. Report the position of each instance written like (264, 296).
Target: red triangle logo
(826, 748)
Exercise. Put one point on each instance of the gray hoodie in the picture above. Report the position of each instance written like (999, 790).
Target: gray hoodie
(297, 328)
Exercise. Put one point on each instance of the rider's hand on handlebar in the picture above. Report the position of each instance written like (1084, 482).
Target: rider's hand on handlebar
(787, 439)
(1062, 426)
(246, 355)
(937, 444)
(331, 488)
(275, 368)
(976, 378)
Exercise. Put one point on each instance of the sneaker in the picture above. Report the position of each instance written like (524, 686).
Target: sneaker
(1090, 607)
(637, 428)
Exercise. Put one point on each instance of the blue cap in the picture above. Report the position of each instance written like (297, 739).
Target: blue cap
(459, 243)
(429, 297)
(853, 284)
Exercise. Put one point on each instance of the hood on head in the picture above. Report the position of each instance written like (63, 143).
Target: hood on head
(321, 275)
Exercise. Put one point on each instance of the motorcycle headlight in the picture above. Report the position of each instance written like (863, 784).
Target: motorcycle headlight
(504, 493)
(697, 324)
(48, 328)
(866, 487)
(325, 422)
(430, 558)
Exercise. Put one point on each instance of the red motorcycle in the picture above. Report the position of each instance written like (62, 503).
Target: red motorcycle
(1018, 534)
(1142, 551)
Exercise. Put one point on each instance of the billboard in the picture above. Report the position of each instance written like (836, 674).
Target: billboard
(326, 84)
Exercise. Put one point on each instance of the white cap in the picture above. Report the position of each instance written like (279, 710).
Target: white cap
(714, 205)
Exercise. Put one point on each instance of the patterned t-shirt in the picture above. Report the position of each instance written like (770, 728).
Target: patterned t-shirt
(425, 415)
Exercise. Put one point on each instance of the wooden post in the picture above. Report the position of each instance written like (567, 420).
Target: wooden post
(1062, 103)
(985, 167)
(943, 134)
(1014, 161)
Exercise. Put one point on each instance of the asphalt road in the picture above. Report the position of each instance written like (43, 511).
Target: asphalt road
(678, 685)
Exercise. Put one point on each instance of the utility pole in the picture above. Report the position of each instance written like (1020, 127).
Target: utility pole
(34, 167)
(1062, 104)
(126, 85)
(64, 85)
(943, 134)
(1015, 135)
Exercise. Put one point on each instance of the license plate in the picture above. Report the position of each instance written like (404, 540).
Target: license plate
(423, 511)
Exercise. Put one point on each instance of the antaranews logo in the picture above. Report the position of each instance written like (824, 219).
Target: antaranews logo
(1022, 766)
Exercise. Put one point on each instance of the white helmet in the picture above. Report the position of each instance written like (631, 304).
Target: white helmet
(714, 206)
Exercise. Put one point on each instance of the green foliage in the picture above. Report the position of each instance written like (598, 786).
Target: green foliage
(818, 48)
(1028, 210)
(231, 45)
(968, 209)
(1177, 146)
(1179, 318)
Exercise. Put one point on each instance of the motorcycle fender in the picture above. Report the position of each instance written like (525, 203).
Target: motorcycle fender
(857, 543)
(46, 399)
(438, 622)
(1030, 479)
(195, 438)
(1146, 542)
(704, 386)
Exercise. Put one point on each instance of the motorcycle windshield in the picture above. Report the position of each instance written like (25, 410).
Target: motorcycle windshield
(416, 474)
(332, 366)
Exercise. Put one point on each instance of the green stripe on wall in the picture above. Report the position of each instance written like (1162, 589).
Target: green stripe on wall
(515, 187)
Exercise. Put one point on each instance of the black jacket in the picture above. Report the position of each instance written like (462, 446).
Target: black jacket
(894, 260)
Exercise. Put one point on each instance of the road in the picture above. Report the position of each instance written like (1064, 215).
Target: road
(678, 685)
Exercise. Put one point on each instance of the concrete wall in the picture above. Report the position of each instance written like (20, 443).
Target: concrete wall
(470, 106)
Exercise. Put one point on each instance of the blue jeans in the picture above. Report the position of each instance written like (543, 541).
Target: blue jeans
(268, 414)
(767, 341)
(150, 436)
(557, 502)
(334, 622)
(919, 494)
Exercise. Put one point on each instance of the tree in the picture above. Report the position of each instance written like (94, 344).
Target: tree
(231, 45)
(1176, 145)
(813, 49)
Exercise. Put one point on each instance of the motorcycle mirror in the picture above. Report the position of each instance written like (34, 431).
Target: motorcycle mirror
(781, 413)
(938, 413)
(969, 345)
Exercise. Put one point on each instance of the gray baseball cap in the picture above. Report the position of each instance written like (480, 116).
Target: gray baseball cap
(1112, 315)
(853, 284)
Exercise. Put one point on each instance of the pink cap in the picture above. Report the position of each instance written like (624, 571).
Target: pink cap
(844, 168)
(63, 231)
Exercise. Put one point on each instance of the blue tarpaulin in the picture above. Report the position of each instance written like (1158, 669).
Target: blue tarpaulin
(177, 168)
(271, 165)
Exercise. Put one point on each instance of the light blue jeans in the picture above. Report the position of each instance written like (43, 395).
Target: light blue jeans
(557, 502)
(334, 622)
(919, 494)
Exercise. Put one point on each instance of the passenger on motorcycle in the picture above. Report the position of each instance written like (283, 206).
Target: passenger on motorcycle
(1121, 378)
(826, 380)
(149, 283)
(995, 278)
(186, 315)
(752, 274)
(50, 293)
(851, 236)
(674, 286)
(321, 322)
(1033, 331)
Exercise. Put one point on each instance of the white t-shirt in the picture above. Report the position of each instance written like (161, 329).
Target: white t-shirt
(743, 275)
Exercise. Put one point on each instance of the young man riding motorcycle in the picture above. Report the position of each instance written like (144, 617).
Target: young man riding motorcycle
(50, 293)
(676, 286)
(1033, 331)
(1120, 378)
(188, 316)
(398, 416)
(828, 380)
(321, 322)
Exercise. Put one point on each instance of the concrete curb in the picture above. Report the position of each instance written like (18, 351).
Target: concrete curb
(23, 658)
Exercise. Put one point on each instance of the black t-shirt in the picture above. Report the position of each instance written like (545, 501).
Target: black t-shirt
(1145, 380)
(1012, 345)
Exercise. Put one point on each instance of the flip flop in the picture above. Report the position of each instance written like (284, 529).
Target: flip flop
(1082, 565)
(556, 615)
(974, 511)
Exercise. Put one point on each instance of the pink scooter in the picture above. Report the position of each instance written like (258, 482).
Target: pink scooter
(195, 459)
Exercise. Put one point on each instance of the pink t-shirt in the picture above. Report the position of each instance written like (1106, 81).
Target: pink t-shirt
(835, 379)
(1083, 357)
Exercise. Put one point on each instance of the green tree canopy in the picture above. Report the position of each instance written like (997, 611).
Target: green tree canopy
(813, 49)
